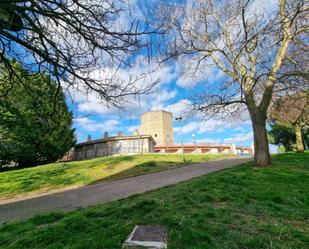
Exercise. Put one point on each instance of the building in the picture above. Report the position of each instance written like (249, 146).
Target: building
(204, 148)
(156, 136)
(115, 145)
(158, 124)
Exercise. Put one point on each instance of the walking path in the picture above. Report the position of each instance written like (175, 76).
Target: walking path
(109, 191)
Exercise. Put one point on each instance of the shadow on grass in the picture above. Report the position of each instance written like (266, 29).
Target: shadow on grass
(90, 162)
(10, 168)
(141, 169)
(154, 166)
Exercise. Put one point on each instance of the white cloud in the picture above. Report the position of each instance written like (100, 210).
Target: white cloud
(91, 125)
(180, 108)
(132, 129)
(192, 71)
(239, 138)
(133, 106)
(124, 20)
(198, 67)
(214, 125)
(240, 129)
(209, 140)
(210, 126)
(161, 97)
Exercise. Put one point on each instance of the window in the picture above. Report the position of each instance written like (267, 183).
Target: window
(168, 135)
(156, 135)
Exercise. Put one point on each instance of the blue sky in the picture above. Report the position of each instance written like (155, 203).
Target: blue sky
(96, 120)
(173, 93)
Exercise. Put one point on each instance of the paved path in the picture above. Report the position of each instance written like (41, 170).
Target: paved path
(108, 191)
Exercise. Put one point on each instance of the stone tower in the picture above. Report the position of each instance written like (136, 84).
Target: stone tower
(158, 124)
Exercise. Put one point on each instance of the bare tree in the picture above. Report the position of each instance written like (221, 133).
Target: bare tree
(247, 42)
(81, 44)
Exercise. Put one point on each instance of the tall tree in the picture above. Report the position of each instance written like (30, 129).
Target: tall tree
(35, 123)
(293, 110)
(81, 44)
(245, 40)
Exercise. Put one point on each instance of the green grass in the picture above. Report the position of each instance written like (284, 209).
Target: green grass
(242, 207)
(45, 178)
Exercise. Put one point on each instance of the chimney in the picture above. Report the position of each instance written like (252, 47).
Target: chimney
(105, 134)
(119, 133)
(89, 138)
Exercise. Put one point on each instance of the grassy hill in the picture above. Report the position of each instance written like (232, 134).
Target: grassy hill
(238, 208)
(55, 176)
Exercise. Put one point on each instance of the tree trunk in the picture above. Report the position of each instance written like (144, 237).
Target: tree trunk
(261, 149)
(289, 146)
(299, 140)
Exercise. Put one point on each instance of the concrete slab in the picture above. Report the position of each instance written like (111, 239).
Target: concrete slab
(149, 236)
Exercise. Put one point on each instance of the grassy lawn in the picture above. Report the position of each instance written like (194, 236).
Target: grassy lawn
(242, 207)
(45, 178)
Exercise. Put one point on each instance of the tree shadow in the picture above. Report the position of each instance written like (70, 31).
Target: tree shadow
(141, 169)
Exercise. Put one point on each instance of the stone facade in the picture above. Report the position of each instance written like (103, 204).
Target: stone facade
(109, 146)
(158, 124)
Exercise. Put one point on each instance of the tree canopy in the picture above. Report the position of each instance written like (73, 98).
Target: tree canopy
(248, 44)
(283, 134)
(35, 123)
(292, 110)
(81, 44)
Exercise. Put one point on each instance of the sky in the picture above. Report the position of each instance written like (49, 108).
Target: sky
(94, 118)
(173, 93)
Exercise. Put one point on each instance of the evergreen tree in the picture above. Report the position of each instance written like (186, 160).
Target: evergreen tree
(282, 135)
(35, 123)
